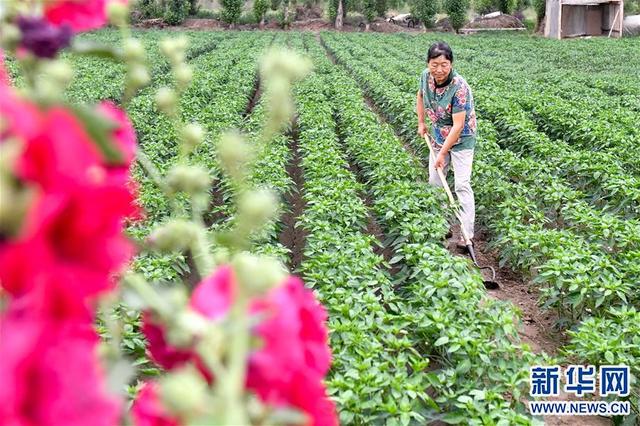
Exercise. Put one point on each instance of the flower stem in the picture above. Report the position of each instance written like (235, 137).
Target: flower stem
(237, 357)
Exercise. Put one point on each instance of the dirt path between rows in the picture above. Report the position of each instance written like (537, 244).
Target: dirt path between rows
(292, 236)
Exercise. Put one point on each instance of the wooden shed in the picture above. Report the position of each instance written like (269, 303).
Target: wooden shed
(577, 18)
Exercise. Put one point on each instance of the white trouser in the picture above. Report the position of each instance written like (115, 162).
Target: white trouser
(462, 162)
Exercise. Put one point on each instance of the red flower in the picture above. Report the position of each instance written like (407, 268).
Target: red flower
(158, 348)
(60, 155)
(81, 15)
(289, 367)
(74, 226)
(49, 374)
(77, 241)
(147, 410)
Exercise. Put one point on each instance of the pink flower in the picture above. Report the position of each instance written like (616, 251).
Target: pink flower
(81, 15)
(123, 133)
(288, 369)
(21, 118)
(78, 242)
(75, 224)
(4, 75)
(147, 410)
(49, 374)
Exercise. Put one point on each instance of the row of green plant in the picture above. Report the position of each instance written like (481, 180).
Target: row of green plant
(222, 83)
(379, 369)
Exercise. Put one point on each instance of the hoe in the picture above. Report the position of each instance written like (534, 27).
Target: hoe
(490, 284)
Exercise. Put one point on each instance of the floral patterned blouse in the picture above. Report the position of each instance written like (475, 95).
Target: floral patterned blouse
(440, 103)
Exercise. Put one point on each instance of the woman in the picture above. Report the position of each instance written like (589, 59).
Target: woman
(446, 99)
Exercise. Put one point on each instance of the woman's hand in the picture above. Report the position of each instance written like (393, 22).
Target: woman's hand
(422, 129)
(440, 159)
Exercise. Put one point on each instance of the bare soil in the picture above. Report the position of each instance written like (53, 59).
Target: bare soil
(309, 22)
(502, 21)
(293, 237)
(373, 227)
(537, 325)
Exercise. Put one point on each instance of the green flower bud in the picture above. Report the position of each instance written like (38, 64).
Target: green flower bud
(15, 199)
(183, 74)
(58, 72)
(187, 327)
(138, 76)
(166, 99)
(175, 235)
(279, 98)
(258, 274)
(257, 207)
(118, 13)
(285, 63)
(10, 35)
(184, 392)
(190, 179)
(174, 49)
(234, 154)
(133, 50)
(192, 135)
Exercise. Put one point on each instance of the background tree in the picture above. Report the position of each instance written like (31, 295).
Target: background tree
(507, 6)
(286, 15)
(457, 11)
(176, 11)
(193, 7)
(426, 11)
(539, 6)
(369, 12)
(231, 11)
(337, 12)
(485, 6)
(260, 8)
(381, 8)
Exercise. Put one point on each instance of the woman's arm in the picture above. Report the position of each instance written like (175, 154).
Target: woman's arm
(422, 128)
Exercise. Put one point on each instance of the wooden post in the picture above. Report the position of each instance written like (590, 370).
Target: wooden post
(615, 18)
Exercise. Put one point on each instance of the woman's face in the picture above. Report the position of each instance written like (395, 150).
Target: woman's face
(439, 68)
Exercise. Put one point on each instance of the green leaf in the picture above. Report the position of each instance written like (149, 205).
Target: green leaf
(441, 341)
(94, 48)
(453, 418)
(608, 355)
(99, 129)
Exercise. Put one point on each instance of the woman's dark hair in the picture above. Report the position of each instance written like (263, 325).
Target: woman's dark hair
(439, 48)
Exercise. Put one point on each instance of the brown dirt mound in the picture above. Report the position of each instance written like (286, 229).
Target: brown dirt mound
(202, 23)
(151, 23)
(502, 21)
(316, 24)
(304, 13)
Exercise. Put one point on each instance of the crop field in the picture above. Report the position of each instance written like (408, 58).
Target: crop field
(413, 331)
